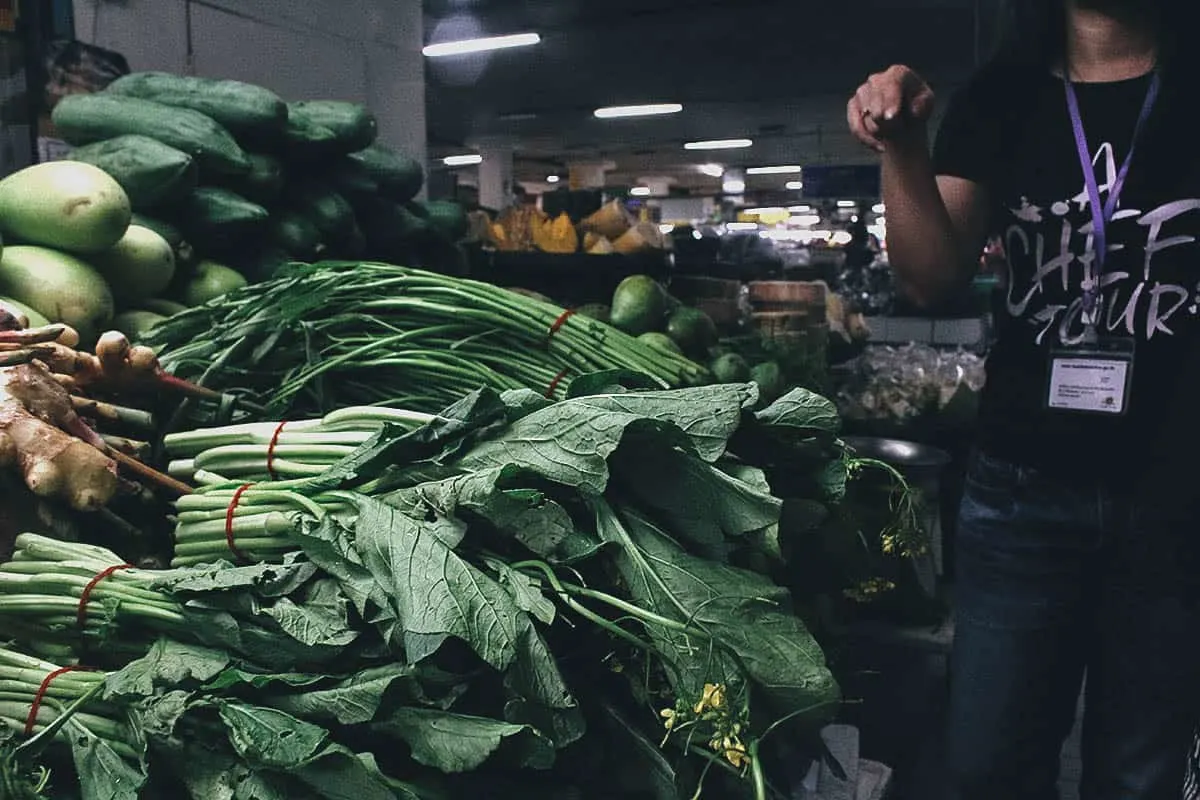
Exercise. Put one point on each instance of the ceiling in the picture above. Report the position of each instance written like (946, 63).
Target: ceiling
(776, 71)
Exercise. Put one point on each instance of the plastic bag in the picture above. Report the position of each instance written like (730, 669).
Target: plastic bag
(73, 67)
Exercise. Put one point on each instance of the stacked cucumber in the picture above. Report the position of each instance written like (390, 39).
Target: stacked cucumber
(241, 182)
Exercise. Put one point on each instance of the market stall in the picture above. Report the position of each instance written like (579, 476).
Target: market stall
(324, 528)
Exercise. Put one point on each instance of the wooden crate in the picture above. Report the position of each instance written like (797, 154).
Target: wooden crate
(780, 324)
(787, 294)
(690, 288)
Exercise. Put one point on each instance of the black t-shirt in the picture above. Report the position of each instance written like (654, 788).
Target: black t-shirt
(1009, 131)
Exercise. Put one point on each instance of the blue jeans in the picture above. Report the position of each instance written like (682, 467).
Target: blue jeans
(1055, 580)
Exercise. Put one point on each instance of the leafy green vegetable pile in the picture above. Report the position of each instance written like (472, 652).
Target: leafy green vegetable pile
(518, 598)
(339, 334)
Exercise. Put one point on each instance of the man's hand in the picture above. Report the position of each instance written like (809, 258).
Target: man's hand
(891, 105)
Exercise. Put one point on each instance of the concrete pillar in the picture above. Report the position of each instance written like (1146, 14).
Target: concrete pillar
(395, 90)
(496, 176)
(588, 175)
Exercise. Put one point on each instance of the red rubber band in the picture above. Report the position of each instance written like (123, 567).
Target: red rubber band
(36, 705)
(271, 452)
(233, 504)
(558, 323)
(86, 595)
(554, 384)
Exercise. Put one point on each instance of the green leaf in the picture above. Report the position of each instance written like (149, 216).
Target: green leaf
(750, 630)
(159, 716)
(502, 497)
(707, 415)
(269, 738)
(459, 743)
(263, 580)
(800, 414)
(168, 663)
(568, 443)
(540, 696)
(698, 502)
(102, 773)
(322, 619)
(525, 590)
(354, 700)
(438, 441)
(330, 545)
(522, 402)
(613, 381)
(339, 774)
(642, 766)
(430, 592)
(240, 676)
(833, 479)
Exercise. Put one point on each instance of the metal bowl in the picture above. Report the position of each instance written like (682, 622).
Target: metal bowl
(904, 456)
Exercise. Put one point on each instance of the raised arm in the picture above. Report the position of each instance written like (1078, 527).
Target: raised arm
(937, 225)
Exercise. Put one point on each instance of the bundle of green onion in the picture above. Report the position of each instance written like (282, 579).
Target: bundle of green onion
(337, 334)
(36, 694)
(56, 596)
(245, 507)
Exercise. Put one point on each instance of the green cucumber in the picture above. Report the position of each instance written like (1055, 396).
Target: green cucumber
(448, 218)
(349, 178)
(219, 216)
(327, 210)
(263, 263)
(391, 230)
(263, 184)
(303, 140)
(150, 172)
(86, 118)
(242, 108)
(353, 126)
(398, 176)
(296, 234)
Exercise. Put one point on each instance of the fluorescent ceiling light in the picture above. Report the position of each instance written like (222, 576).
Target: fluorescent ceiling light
(847, 204)
(720, 144)
(462, 161)
(733, 187)
(484, 45)
(786, 170)
(712, 170)
(800, 209)
(640, 191)
(651, 110)
(742, 226)
(666, 229)
(552, 179)
(794, 186)
(762, 212)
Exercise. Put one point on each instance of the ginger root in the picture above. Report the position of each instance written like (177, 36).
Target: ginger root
(35, 416)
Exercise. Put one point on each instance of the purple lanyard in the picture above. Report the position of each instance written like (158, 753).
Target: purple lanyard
(1102, 214)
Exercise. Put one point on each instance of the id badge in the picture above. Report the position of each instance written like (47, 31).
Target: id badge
(1092, 379)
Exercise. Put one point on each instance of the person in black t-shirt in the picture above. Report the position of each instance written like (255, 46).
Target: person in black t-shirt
(1077, 543)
